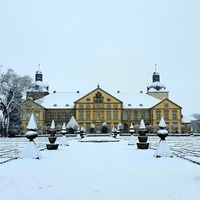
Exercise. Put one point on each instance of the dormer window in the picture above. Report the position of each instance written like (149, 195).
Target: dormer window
(140, 104)
(54, 105)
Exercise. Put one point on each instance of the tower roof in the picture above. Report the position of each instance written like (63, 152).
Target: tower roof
(156, 85)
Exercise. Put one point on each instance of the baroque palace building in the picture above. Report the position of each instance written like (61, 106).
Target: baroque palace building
(99, 106)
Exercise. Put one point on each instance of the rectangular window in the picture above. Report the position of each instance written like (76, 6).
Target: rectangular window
(87, 106)
(81, 116)
(146, 115)
(49, 116)
(64, 116)
(115, 115)
(158, 115)
(108, 106)
(81, 105)
(166, 116)
(115, 105)
(37, 116)
(88, 116)
(125, 115)
(56, 115)
(71, 114)
(132, 115)
(108, 116)
(174, 115)
(139, 115)
(98, 116)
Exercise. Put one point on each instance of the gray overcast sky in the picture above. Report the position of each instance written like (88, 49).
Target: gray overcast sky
(115, 43)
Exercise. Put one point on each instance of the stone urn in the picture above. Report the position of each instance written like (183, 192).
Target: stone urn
(63, 139)
(132, 138)
(163, 149)
(114, 132)
(31, 134)
(30, 150)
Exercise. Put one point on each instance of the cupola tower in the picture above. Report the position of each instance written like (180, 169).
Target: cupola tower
(156, 88)
(38, 89)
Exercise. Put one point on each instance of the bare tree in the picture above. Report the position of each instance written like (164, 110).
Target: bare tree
(12, 90)
(196, 115)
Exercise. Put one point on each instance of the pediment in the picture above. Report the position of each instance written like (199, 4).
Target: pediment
(98, 96)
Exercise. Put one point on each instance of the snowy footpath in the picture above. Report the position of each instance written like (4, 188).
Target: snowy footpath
(99, 171)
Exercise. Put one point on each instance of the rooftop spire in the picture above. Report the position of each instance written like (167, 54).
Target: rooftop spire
(39, 67)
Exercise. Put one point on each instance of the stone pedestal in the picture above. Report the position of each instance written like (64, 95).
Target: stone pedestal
(142, 144)
(132, 138)
(52, 139)
(163, 149)
(30, 150)
(52, 146)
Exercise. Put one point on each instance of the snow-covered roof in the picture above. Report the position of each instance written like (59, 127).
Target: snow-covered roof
(188, 119)
(38, 86)
(60, 100)
(156, 87)
(65, 100)
(136, 100)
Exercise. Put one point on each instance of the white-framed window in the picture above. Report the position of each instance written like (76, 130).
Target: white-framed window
(56, 115)
(125, 115)
(64, 116)
(132, 115)
(139, 115)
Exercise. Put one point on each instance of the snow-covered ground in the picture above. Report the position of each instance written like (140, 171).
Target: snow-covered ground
(105, 170)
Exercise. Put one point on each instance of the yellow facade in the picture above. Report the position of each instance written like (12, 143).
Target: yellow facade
(170, 111)
(29, 108)
(96, 108)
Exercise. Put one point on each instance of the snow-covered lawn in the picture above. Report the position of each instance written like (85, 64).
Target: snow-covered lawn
(105, 170)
